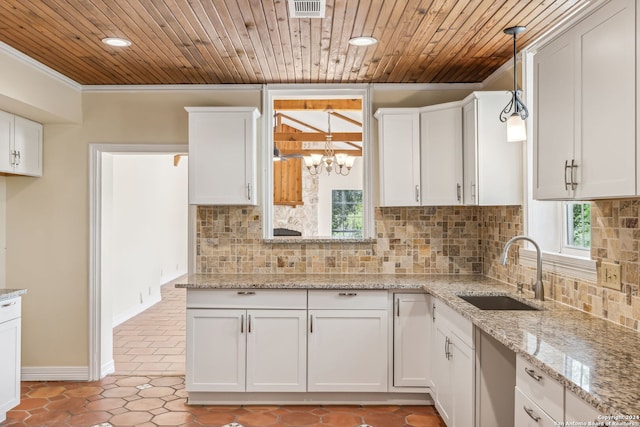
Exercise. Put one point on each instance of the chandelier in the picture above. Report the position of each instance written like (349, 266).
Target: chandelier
(339, 163)
(516, 130)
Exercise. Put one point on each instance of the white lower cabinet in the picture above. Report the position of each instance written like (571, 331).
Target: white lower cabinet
(10, 338)
(453, 366)
(276, 350)
(246, 350)
(239, 340)
(411, 340)
(348, 350)
(217, 349)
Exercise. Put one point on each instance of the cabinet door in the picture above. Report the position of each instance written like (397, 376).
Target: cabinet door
(399, 151)
(222, 157)
(347, 350)
(9, 366)
(606, 156)
(276, 350)
(442, 375)
(6, 142)
(441, 157)
(492, 164)
(462, 360)
(411, 339)
(28, 147)
(554, 133)
(216, 350)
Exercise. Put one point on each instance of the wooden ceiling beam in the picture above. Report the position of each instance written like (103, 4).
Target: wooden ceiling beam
(317, 104)
(317, 137)
(300, 122)
(345, 118)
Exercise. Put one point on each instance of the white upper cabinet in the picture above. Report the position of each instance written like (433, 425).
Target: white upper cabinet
(441, 155)
(449, 154)
(585, 108)
(222, 155)
(399, 153)
(20, 145)
(492, 165)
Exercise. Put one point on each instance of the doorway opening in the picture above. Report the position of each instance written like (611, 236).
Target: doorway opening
(139, 247)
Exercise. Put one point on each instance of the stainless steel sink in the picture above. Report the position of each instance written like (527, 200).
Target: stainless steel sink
(496, 302)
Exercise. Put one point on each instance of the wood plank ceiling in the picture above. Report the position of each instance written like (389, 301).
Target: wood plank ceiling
(255, 41)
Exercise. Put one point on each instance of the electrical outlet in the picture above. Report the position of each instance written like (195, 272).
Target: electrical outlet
(610, 275)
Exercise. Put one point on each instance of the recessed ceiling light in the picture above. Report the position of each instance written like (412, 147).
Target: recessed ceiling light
(363, 41)
(117, 42)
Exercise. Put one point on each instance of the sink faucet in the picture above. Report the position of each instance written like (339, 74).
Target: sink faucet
(538, 287)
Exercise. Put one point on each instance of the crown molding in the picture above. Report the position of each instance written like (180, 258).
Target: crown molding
(39, 66)
(426, 86)
(169, 88)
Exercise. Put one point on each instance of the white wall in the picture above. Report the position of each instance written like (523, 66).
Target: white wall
(353, 181)
(145, 229)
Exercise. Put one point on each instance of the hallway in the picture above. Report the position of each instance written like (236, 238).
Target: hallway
(153, 342)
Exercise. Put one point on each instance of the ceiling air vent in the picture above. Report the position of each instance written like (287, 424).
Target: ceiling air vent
(306, 8)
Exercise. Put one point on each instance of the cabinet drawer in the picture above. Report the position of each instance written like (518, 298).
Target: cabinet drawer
(544, 391)
(247, 298)
(348, 299)
(10, 309)
(528, 414)
(460, 326)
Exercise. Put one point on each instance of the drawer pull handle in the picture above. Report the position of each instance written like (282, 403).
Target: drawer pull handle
(348, 294)
(249, 324)
(9, 304)
(242, 323)
(533, 374)
(246, 293)
(311, 323)
(530, 413)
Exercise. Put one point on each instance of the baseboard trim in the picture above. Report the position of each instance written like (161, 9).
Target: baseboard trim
(54, 373)
(135, 311)
(107, 368)
(313, 398)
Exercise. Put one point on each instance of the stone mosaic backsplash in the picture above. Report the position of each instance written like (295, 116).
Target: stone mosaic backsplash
(615, 238)
(408, 240)
(437, 240)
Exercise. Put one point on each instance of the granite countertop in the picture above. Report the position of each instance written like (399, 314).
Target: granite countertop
(594, 358)
(11, 293)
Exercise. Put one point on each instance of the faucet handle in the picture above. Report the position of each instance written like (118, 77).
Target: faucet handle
(519, 285)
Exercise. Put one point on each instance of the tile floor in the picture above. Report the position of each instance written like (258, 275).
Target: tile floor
(146, 401)
(152, 343)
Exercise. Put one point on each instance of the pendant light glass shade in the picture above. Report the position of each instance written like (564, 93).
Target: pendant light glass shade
(516, 128)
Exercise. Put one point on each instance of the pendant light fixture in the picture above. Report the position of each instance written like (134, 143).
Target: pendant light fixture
(339, 163)
(516, 130)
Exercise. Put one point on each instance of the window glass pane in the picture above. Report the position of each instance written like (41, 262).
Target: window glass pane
(578, 225)
(346, 213)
